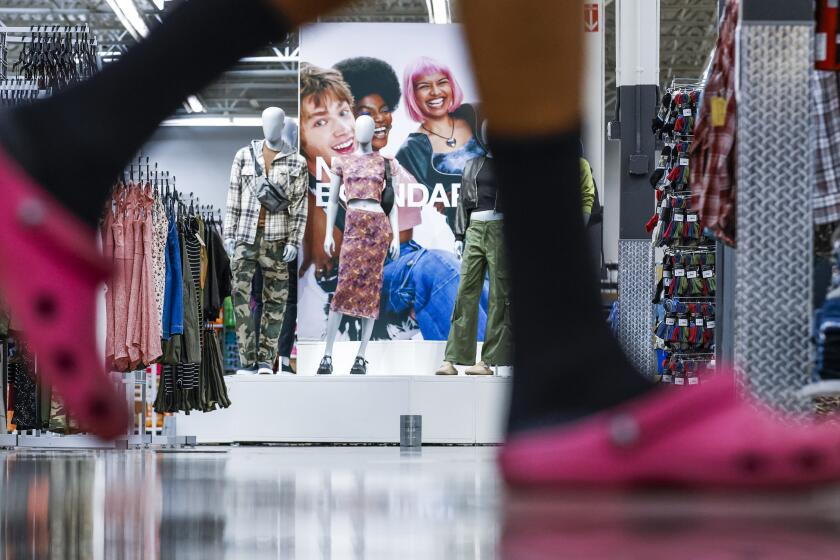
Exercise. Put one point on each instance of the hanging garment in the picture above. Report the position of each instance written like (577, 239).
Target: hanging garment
(134, 252)
(107, 234)
(133, 325)
(713, 156)
(825, 88)
(151, 325)
(191, 268)
(121, 277)
(161, 229)
(213, 389)
(24, 392)
(173, 303)
(200, 234)
(218, 285)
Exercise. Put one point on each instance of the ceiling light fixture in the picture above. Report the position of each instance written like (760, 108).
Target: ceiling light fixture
(439, 11)
(195, 104)
(214, 121)
(130, 17)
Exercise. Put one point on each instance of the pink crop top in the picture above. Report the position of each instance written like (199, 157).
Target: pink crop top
(363, 175)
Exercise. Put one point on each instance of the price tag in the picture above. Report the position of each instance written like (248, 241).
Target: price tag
(670, 321)
(718, 111)
(710, 324)
(679, 272)
(694, 381)
(692, 218)
(691, 274)
(666, 273)
(684, 161)
(679, 217)
(679, 381)
(687, 112)
(698, 322)
(666, 379)
(708, 273)
(683, 322)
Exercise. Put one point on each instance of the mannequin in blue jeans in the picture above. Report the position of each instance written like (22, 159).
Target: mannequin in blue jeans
(426, 281)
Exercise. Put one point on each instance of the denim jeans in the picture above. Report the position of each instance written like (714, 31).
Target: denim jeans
(427, 281)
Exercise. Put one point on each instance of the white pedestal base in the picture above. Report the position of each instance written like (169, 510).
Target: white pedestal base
(350, 409)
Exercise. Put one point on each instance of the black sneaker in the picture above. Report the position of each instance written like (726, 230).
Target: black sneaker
(359, 366)
(326, 366)
(286, 369)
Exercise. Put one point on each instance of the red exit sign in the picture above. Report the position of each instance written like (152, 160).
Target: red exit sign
(591, 18)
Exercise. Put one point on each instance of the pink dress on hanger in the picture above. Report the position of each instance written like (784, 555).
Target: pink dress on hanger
(151, 326)
(120, 278)
(108, 251)
(134, 251)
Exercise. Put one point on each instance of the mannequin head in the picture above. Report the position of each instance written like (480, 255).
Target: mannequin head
(274, 121)
(364, 130)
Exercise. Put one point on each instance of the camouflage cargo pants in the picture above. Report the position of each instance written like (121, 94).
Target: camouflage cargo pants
(268, 256)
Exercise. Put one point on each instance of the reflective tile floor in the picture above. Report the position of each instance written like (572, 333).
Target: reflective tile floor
(372, 503)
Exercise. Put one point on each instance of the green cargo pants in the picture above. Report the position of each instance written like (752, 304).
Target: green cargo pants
(268, 255)
(484, 251)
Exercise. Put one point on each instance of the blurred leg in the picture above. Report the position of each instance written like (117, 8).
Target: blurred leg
(567, 365)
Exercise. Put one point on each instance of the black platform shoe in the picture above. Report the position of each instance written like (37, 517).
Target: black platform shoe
(359, 366)
(326, 366)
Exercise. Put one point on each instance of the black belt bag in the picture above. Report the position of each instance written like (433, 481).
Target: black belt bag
(387, 202)
(272, 197)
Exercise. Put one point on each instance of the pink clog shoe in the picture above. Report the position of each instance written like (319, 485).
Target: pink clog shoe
(49, 276)
(698, 437)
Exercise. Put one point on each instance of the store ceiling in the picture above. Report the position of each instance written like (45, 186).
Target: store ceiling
(688, 34)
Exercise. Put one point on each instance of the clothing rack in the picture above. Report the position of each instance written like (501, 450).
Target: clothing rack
(684, 324)
(54, 55)
(190, 366)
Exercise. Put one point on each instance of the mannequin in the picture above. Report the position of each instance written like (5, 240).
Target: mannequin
(273, 124)
(480, 245)
(256, 238)
(368, 208)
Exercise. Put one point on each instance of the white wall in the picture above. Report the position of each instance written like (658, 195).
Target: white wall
(200, 157)
(593, 132)
(611, 200)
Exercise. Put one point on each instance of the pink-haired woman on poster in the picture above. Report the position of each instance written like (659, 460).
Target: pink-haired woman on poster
(448, 133)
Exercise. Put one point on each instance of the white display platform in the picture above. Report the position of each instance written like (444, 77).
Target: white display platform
(393, 357)
(358, 409)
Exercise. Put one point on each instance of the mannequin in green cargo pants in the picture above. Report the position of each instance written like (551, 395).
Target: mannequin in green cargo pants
(480, 242)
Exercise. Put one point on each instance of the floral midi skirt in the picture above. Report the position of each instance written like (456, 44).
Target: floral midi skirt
(367, 236)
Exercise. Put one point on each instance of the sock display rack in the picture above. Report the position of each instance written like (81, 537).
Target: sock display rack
(684, 297)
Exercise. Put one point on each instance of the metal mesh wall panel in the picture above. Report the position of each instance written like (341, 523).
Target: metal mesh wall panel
(773, 307)
(636, 287)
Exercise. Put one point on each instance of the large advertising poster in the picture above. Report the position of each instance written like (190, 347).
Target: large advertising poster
(416, 82)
